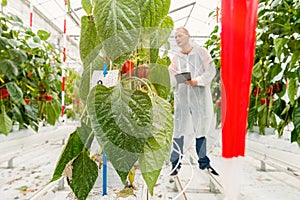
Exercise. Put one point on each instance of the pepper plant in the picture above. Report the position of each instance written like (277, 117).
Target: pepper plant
(29, 81)
(275, 83)
(274, 98)
(132, 121)
(213, 45)
(72, 98)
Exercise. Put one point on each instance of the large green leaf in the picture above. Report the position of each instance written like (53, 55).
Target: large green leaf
(51, 113)
(121, 120)
(118, 25)
(251, 117)
(159, 77)
(86, 77)
(15, 92)
(154, 55)
(72, 149)
(44, 35)
(5, 43)
(93, 2)
(160, 36)
(295, 59)
(279, 43)
(262, 118)
(296, 121)
(275, 70)
(257, 70)
(159, 74)
(56, 103)
(18, 56)
(157, 147)
(153, 11)
(31, 111)
(85, 173)
(17, 115)
(86, 135)
(9, 68)
(278, 106)
(90, 43)
(87, 6)
(162, 90)
(292, 90)
(5, 122)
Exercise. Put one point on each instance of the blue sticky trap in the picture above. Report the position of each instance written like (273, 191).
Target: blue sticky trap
(104, 69)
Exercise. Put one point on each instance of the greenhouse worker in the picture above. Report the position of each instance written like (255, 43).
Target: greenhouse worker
(193, 106)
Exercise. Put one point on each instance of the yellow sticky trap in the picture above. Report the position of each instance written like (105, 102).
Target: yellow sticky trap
(31, 88)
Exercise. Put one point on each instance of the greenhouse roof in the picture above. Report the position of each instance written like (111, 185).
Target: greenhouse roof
(192, 14)
(49, 15)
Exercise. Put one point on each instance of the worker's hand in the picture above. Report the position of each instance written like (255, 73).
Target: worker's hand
(192, 83)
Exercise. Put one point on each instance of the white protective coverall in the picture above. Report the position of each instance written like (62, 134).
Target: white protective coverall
(193, 105)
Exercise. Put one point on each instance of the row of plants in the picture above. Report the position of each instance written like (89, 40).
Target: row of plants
(74, 107)
(274, 98)
(132, 121)
(30, 77)
(29, 80)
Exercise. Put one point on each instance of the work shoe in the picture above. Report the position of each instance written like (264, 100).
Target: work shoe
(175, 172)
(212, 170)
(176, 155)
(175, 169)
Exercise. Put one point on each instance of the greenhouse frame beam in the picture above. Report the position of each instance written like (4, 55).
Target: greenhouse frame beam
(69, 13)
(76, 9)
(189, 14)
(39, 13)
(76, 18)
(185, 6)
(177, 20)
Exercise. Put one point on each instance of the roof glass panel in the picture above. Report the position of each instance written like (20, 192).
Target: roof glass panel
(193, 14)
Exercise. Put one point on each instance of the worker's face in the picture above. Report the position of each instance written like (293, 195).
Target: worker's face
(181, 37)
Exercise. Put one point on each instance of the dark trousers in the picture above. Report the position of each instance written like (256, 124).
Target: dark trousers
(203, 160)
(201, 152)
(177, 150)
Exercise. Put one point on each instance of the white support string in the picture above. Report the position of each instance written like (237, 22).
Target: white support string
(191, 166)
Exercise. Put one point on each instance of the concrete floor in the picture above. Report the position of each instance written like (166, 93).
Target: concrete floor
(35, 156)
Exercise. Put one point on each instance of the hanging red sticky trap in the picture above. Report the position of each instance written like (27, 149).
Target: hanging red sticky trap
(239, 19)
(31, 14)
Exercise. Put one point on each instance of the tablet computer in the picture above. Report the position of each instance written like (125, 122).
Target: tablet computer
(182, 77)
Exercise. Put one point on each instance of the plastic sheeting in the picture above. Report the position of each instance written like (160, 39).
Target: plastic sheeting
(239, 19)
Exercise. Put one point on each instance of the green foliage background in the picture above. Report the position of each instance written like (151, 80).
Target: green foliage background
(276, 64)
(27, 71)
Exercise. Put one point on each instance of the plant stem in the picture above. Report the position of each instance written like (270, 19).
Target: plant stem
(41, 111)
